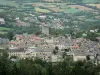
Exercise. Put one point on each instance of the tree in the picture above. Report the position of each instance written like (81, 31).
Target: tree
(88, 57)
(5, 64)
(10, 35)
(55, 51)
(57, 48)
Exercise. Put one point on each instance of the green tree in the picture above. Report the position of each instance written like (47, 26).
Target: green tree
(10, 35)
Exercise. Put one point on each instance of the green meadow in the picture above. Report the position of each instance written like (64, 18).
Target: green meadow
(4, 29)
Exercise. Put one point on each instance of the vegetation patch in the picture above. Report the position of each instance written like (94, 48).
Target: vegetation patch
(2, 32)
(71, 10)
(4, 29)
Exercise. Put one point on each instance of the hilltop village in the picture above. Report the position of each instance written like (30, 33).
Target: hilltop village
(53, 49)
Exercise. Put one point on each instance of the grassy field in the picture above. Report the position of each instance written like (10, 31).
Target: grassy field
(6, 2)
(4, 29)
(42, 10)
(98, 34)
(70, 10)
(89, 1)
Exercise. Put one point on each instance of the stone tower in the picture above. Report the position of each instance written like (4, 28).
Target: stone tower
(45, 29)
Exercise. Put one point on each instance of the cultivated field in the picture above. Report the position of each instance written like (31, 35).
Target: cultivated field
(68, 9)
(55, 9)
(80, 7)
(52, 0)
(42, 10)
(37, 4)
(97, 5)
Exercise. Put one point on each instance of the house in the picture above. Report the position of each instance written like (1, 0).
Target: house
(98, 39)
(22, 53)
(56, 58)
(2, 21)
(19, 37)
(43, 52)
(42, 17)
(21, 23)
(46, 52)
(95, 30)
(88, 48)
(59, 39)
(17, 19)
(75, 46)
(19, 53)
(4, 41)
(78, 58)
(49, 41)
(79, 55)
(25, 40)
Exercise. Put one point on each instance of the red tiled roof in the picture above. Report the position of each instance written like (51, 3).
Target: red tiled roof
(20, 36)
(11, 43)
(35, 37)
(75, 46)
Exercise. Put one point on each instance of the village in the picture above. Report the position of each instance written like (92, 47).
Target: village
(53, 49)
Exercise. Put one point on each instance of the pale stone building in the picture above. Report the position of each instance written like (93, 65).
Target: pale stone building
(45, 30)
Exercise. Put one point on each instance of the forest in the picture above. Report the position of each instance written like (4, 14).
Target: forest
(40, 67)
